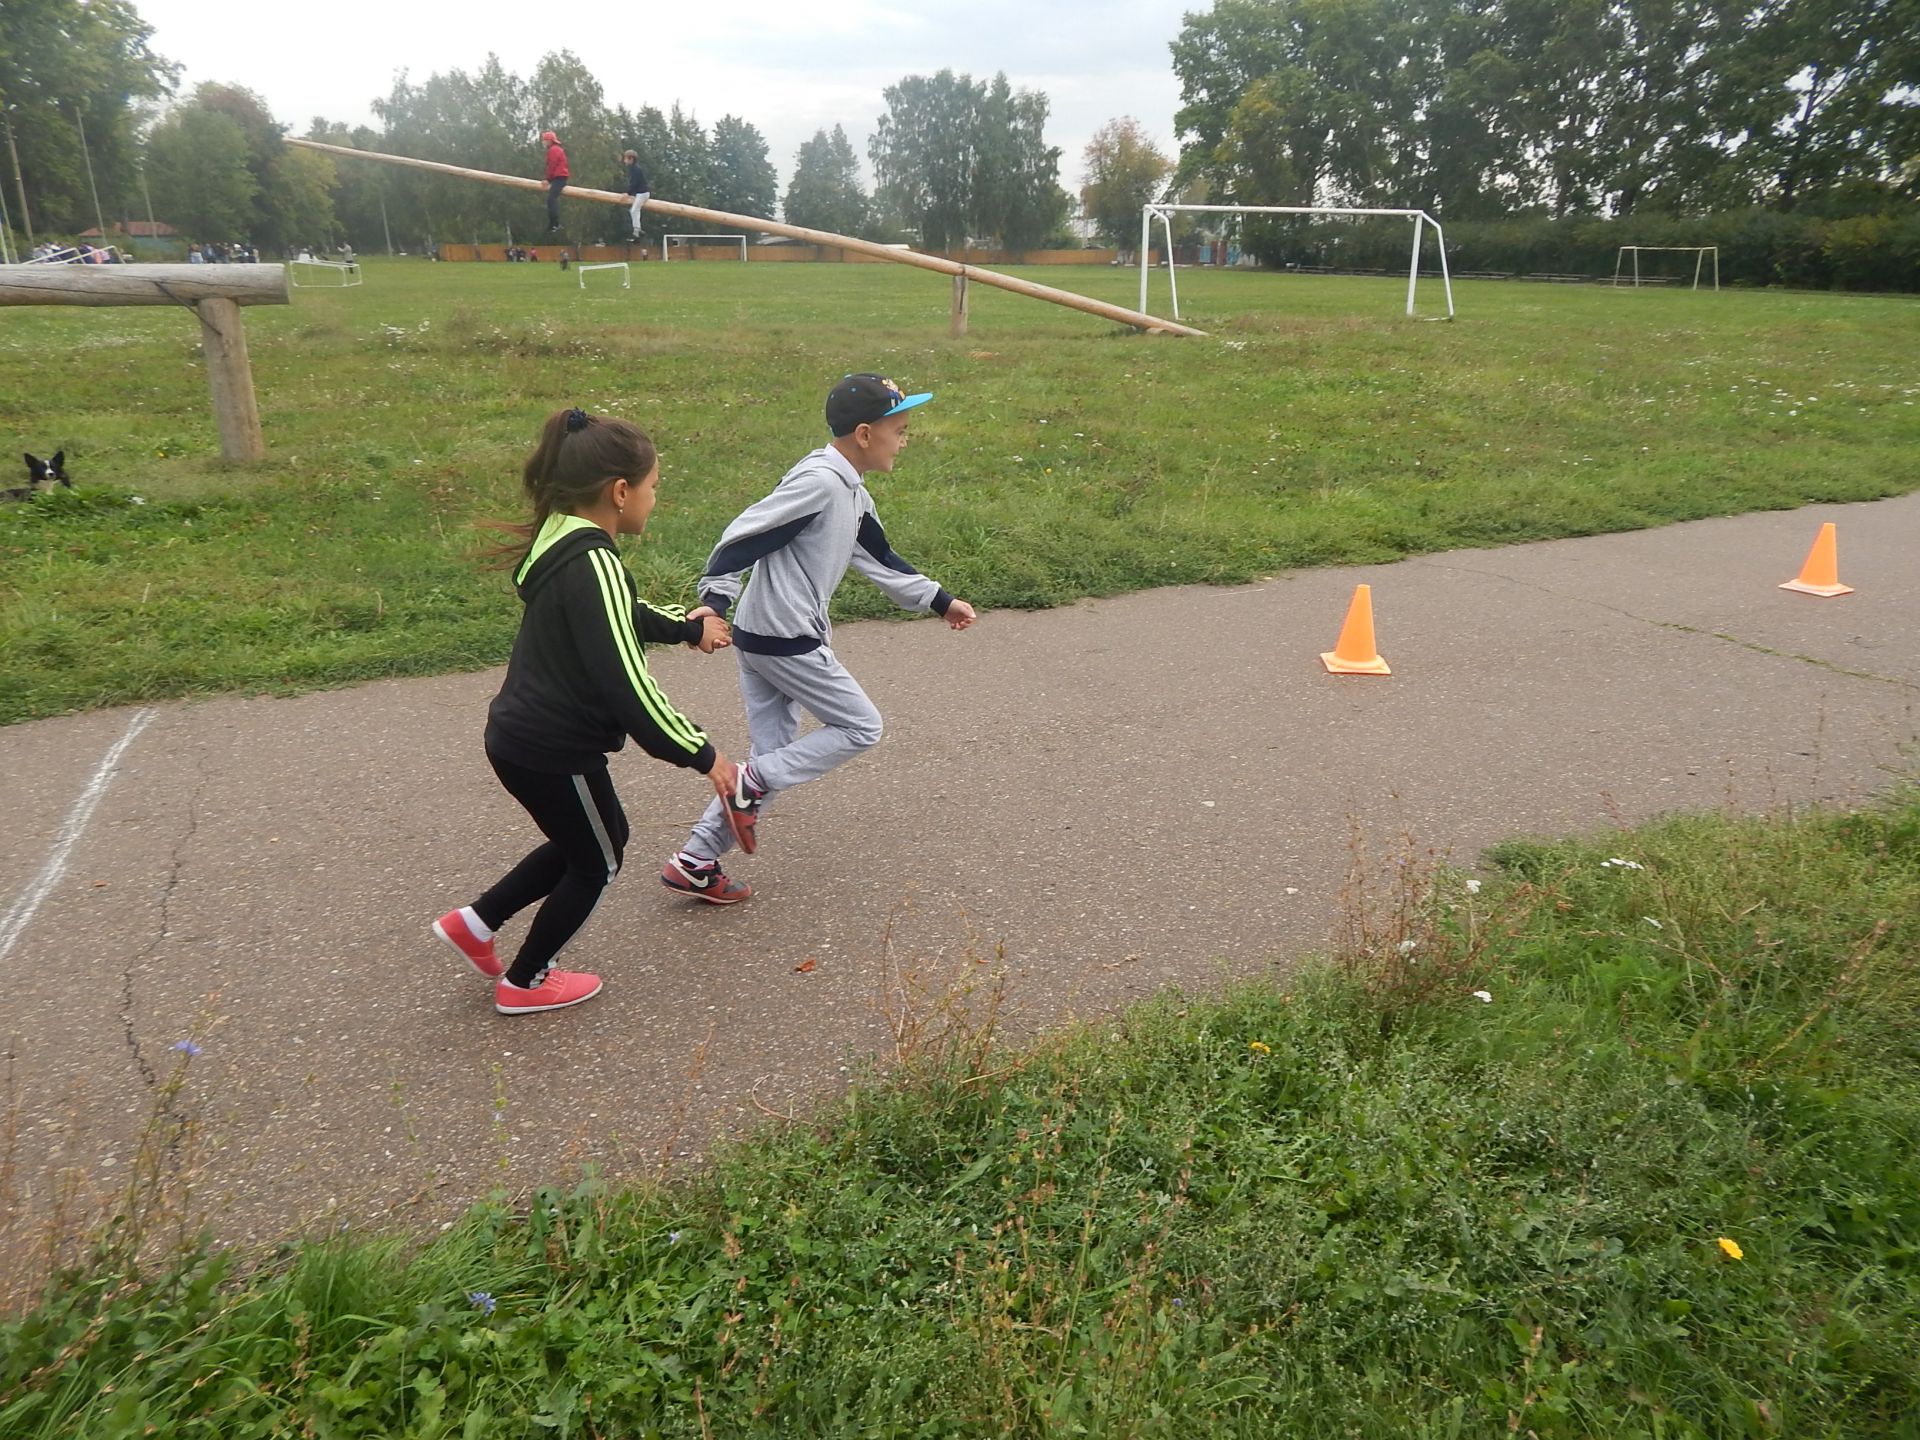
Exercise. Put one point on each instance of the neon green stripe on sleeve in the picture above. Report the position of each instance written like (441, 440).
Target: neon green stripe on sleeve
(619, 605)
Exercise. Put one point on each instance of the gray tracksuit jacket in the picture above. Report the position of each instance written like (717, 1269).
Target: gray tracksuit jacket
(798, 542)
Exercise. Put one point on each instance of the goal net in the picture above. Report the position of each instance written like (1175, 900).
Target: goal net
(322, 274)
(626, 275)
(1422, 222)
(1638, 265)
(690, 245)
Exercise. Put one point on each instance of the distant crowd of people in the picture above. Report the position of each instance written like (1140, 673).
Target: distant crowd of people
(232, 253)
(49, 251)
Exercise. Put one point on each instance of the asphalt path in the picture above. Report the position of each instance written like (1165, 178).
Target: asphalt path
(1101, 800)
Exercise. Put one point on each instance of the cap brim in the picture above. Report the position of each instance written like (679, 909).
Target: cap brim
(910, 402)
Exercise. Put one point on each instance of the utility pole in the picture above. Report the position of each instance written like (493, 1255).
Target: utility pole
(20, 184)
(99, 217)
(152, 228)
(383, 222)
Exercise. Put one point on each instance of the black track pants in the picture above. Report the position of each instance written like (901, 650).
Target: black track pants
(586, 834)
(554, 187)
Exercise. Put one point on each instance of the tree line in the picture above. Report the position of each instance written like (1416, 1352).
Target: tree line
(1479, 109)
(958, 160)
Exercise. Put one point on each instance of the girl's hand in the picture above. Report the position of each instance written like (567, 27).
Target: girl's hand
(959, 615)
(724, 774)
(715, 633)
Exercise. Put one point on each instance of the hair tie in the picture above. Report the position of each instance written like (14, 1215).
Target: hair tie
(576, 420)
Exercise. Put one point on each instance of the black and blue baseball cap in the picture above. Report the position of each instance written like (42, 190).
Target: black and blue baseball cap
(862, 399)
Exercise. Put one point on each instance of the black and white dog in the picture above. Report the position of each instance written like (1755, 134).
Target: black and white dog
(42, 475)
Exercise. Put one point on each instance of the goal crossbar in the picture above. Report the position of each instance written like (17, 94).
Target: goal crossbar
(626, 275)
(1165, 213)
(347, 270)
(1699, 253)
(666, 247)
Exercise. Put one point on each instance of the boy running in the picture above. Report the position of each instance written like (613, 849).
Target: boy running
(798, 542)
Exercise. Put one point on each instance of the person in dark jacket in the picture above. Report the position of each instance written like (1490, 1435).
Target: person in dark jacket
(638, 187)
(576, 686)
(557, 177)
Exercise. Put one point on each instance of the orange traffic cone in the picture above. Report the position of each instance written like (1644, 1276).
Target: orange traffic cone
(1353, 653)
(1821, 574)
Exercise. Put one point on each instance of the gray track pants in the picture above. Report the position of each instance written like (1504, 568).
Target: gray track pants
(776, 689)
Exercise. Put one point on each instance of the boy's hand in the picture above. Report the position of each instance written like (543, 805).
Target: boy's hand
(724, 774)
(959, 615)
(715, 633)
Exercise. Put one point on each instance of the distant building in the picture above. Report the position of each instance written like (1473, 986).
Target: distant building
(135, 230)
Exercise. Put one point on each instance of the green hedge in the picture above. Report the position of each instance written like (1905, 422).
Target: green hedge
(1757, 247)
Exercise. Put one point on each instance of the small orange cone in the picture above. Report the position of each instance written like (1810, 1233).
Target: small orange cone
(1821, 574)
(1353, 653)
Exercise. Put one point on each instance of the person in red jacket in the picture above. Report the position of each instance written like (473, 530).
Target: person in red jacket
(557, 177)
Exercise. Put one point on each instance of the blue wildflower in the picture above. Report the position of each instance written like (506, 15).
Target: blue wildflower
(187, 1048)
(481, 1301)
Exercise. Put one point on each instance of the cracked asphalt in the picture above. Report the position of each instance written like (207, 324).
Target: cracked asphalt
(1159, 789)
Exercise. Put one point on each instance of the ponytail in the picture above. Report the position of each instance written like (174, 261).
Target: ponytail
(577, 454)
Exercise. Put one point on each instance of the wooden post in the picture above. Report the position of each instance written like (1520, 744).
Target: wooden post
(234, 408)
(959, 306)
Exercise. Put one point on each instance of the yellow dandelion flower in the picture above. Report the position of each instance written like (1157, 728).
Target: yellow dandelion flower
(1731, 1250)
(1259, 1047)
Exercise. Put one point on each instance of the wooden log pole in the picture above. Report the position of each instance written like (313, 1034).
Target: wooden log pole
(231, 377)
(721, 218)
(142, 284)
(959, 306)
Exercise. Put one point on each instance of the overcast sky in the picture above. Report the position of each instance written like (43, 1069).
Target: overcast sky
(789, 67)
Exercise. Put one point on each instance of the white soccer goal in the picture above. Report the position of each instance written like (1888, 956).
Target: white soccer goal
(1165, 213)
(666, 248)
(626, 275)
(345, 272)
(1699, 253)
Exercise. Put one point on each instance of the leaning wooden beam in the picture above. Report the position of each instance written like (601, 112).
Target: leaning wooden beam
(214, 293)
(1149, 323)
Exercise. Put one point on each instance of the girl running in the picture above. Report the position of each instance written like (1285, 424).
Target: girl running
(576, 687)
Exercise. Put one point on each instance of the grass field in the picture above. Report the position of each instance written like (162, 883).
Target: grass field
(1063, 458)
(1624, 1143)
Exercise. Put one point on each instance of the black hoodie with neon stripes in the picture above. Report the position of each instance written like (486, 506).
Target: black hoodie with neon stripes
(577, 682)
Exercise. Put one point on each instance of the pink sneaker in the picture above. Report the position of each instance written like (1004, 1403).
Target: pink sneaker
(452, 928)
(560, 989)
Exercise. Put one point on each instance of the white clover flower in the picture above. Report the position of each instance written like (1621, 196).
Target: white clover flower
(1485, 997)
(1407, 947)
(1473, 887)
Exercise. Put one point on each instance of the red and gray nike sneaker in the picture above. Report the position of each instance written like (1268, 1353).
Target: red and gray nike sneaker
(743, 809)
(704, 882)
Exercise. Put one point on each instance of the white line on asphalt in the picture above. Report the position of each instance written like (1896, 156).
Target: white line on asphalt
(15, 923)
